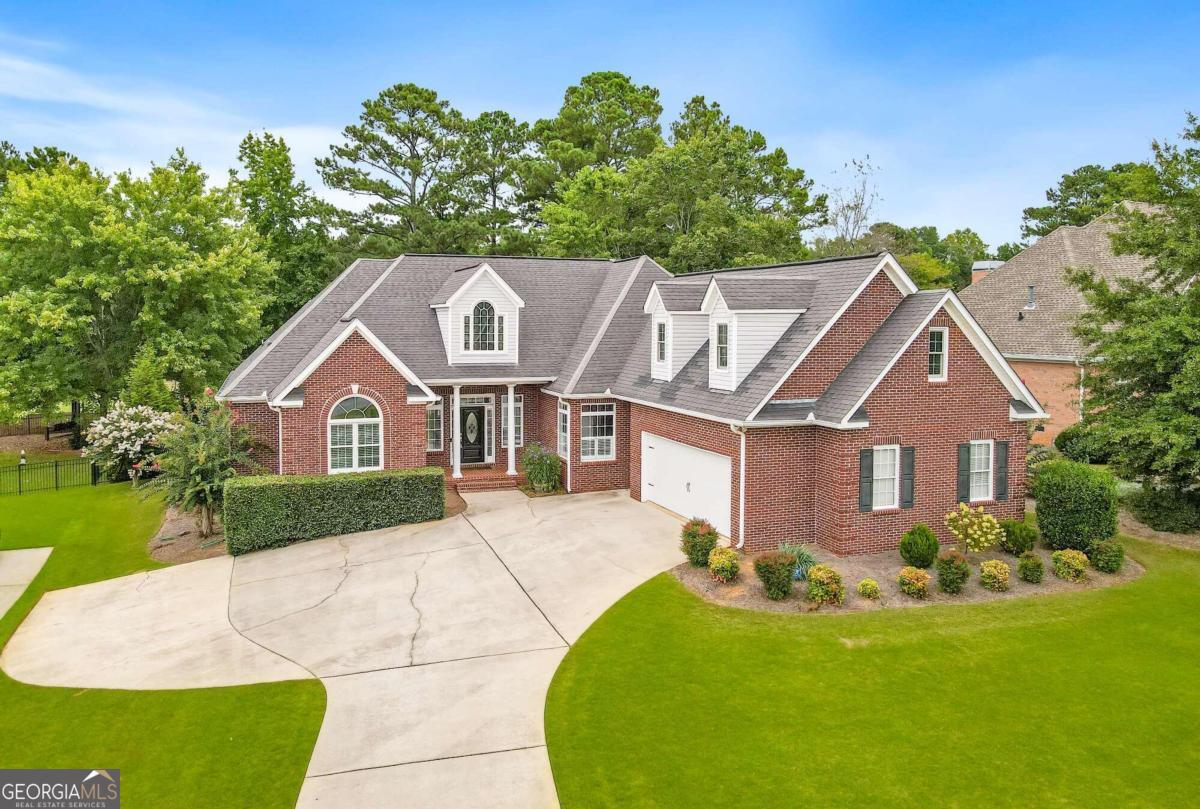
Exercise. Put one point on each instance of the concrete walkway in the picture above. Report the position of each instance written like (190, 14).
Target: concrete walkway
(17, 569)
(436, 643)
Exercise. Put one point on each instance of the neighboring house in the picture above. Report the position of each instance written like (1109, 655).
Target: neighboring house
(826, 401)
(1029, 309)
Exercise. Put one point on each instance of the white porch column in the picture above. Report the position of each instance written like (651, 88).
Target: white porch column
(511, 430)
(456, 444)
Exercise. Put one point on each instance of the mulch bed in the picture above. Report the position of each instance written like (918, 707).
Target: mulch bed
(1131, 525)
(747, 592)
(454, 503)
(178, 540)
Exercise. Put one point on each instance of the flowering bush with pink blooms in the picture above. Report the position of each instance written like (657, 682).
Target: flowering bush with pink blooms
(124, 441)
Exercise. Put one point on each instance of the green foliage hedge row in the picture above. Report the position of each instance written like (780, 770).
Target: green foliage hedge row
(267, 511)
(1076, 504)
(1081, 443)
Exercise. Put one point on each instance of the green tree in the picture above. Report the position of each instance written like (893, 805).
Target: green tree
(146, 383)
(494, 147)
(292, 223)
(1009, 249)
(926, 271)
(1143, 336)
(198, 457)
(1088, 192)
(960, 250)
(94, 270)
(12, 161)
(605, 121)
(405, 155)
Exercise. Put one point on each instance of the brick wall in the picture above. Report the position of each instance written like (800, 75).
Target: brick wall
(533, 428)
(843, 341)
(780, 486)
(594, 476)
(263, 424)
(713, 436)
(1056, 386)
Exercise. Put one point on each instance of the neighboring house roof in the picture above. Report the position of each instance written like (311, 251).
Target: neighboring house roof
(1000, 301)
(584, 331)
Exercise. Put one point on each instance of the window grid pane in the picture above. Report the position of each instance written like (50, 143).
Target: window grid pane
(596, 430)
(661, 341)
(483, 337)
(722, 345)
(500, 333)
(520, 425)
(981, 471)
(433, 428)
(937, 353)
(883, 483)
(564, 432)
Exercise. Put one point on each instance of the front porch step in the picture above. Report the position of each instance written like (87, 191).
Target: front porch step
(484, 483)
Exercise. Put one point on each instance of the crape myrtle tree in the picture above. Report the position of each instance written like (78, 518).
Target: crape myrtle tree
(95, 269)
(1143, 336)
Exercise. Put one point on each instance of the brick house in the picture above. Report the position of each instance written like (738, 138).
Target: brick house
(1029, 309)
(825, 401)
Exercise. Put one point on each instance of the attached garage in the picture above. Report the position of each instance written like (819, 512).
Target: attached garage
(690, 481)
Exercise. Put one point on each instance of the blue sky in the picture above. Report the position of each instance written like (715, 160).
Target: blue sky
(969, 113)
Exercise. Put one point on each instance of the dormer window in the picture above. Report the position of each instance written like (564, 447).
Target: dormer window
(722, 345)
(483, 330)
(660, 341)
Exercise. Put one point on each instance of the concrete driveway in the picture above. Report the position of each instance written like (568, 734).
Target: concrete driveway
(436, 642)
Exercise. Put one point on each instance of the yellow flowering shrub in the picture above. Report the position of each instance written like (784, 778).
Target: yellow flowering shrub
(975, 529)
(914, 582)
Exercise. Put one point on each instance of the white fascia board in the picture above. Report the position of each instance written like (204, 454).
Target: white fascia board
(711, 295)
(881, 267)
(670, 409)
(652, 299)
(497, 380)
(1013, 415)
(351, 328)
(1062, 359)
(286, 329)
(895, 272)
(241, 399)
(485, 268)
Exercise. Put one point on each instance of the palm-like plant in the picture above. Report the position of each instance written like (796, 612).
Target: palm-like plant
(199, 457)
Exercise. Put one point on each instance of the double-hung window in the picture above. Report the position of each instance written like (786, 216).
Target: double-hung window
(520, 417)
(722, 345)
(355, 436)
(564, 428)
(597, 432)
(660, 341)
(981, 470)
(938, 338)
(885, 477)
(433, 427)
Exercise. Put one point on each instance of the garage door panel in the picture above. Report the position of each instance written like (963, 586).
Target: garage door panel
(687, 480)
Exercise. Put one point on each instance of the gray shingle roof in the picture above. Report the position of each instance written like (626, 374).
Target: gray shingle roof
(682, 295)
(888, 340)
(756, 294)
(999, 299)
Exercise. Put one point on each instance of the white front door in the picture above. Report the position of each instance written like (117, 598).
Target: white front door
(690, 481)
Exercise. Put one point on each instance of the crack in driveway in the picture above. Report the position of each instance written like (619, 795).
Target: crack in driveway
(412, 602)
(345, 568)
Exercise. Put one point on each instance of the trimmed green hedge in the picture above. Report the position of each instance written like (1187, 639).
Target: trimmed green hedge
(267, 511)
(1076, 504)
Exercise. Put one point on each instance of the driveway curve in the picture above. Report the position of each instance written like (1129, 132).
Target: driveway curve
(436, 642)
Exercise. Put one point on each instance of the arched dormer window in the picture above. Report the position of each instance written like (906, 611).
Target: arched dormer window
(483, 329)
(355, 436)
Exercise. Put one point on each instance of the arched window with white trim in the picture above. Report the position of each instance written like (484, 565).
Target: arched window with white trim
(483, 329)
(355, 436)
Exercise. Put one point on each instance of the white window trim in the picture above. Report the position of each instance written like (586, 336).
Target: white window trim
(520, 421)
(728, 366)
(991, 470)
(564, 443)
(945, 354)
(470, 337)
(666, 342)
(330, 422)
(896, 488)
(440, 408)
(488, 400)
(597, 409)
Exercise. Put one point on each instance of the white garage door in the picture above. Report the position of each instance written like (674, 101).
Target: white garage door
(689, 481)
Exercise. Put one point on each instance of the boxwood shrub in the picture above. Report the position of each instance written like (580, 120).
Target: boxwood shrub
(919, 545)
(953, 571)
(1031, 568)
(1108, 555)
(1019, 537)
(1076, 505)
(775, 570)
(267, 511)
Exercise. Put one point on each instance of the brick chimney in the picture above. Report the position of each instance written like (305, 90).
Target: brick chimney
(981, 268)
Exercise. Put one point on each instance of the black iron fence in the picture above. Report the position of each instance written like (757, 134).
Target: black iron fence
(44, 476)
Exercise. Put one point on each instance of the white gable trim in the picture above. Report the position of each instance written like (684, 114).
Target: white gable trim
(711, 295)
(483, 268)
(895, 274)
(995, 360)
(355, 326)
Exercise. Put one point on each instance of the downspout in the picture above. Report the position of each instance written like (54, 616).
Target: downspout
(741, 486)
(279, 440)
(1079, 365)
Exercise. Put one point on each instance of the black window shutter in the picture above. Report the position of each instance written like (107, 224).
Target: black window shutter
(1001, 469)
(964, 473)
(908, 462)
(866, 472)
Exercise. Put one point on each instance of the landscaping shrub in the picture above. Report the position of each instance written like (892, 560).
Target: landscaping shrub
(953, 571)
(1019, 536)
(1081, 443)
(1031, 568)
(919, 545)
(697, 541)
(1108, 555)
(723, 564)
(913, 582)
(869, 588)
(993, 574)
(974, 528)
(1165, 509)
(542, 468)
(1076, 505)
(266, 511)
(804, 559)
(825, 585)
(1069, 564)
(775, 570)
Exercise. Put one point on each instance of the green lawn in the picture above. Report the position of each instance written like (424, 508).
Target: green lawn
(240, 746)
(13, 458)
(1088, 699)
